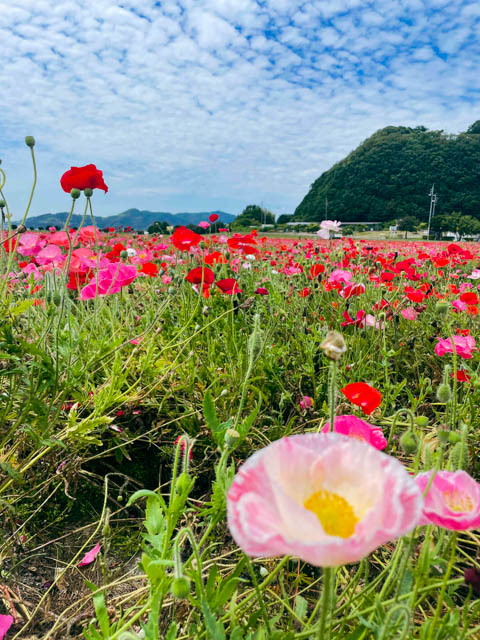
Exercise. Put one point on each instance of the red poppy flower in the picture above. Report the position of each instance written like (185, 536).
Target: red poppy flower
(316, 270)
(199, 275)
(304, 292)
(183, 238)
(213, 217)
(415, 296)
(363, 395)
(82, 178)
(215, 258)
(261, 291)
(149, 269)
(228, 286)
(462, 376)
(469, 297)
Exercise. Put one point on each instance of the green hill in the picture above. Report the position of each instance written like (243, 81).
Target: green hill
(390, 174)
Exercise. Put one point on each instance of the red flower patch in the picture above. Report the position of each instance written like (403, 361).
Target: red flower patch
(363, 395)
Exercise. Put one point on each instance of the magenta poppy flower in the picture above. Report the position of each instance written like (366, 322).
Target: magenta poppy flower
(453, 500)
(357, 428)
(464, 346)
(90, 556)
(6, 622)
(323, 497)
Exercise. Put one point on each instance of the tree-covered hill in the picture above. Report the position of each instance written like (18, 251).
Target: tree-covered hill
(390, 174)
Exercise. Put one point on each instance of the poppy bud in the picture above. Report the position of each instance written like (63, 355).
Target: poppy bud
(409, 442)
(88, 192)
(231, 437)
(56, 299)
(183, 482)
(422, 421)
(123, 254)
(443, 433)
(180, 587)
(454, 437)
(333, 345)
(21, 228)
(75, 193)
(2, 204)
(441, 307)
(443, 393)
(30, 141)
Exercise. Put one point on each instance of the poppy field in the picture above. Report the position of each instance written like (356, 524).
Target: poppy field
(236, 436)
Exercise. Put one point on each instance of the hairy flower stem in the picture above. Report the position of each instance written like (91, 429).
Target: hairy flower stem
(33, 186)
(327, 603)
(443, 589)
(252, 342)
(332, 393)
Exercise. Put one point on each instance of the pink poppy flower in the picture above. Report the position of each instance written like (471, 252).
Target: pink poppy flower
(452, 502)
(464, 346)
(5, 624)
(90, 556)
(325, 498)
(409, 313)
(203, 224)
(459, 305)
(305, 402)
(357, 428)
(340, 276)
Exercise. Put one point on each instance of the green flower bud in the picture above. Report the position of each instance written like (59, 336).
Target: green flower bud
(88, 192)
(123, 254)
(180, 587)
(441, 307)
(30, 141)
(409, 442)
(443, 434)
(3, 204)
(75, 193)
(170, 290)
(231, 437)
(56, 299)
(454, 437)
(443, 393)
(422, 421)
(183, 482)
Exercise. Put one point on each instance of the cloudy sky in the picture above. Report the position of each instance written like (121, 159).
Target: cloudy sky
(195, 105)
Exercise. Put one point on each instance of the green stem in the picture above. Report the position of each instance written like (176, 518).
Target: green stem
(328, 576)
(443, 589)
(332, 393)
(33, 186)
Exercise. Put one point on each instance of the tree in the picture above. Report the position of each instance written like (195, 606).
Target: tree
(158, 227)
(409, 223)
(252, 216)
(467, 226)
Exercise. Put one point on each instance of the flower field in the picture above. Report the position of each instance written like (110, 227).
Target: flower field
(233, 436)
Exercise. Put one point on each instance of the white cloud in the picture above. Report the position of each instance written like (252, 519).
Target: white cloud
(197, 104)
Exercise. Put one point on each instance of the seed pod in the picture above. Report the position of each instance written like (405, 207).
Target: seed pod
(30, 141)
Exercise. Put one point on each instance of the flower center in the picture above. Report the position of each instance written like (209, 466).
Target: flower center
(457, 501)
(334, 512)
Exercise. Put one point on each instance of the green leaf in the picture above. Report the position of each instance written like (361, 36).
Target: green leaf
(301, 606)
(209, 412)
(245, 426)
(100, 609)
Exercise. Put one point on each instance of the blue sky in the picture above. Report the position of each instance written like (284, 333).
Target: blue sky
(195, 105)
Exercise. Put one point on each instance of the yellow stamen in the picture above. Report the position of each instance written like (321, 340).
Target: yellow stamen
(457, 501)
(334, 512)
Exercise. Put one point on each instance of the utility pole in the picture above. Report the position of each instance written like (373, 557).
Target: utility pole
(433, 202)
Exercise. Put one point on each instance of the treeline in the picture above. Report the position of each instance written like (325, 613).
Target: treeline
(389, 176)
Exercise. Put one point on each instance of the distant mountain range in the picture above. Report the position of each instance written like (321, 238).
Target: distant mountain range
(139, 220)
